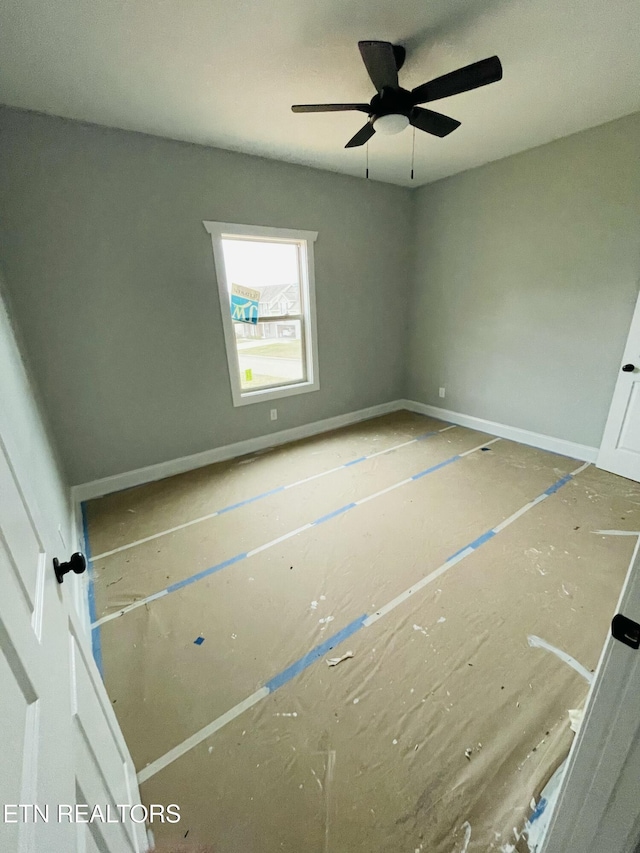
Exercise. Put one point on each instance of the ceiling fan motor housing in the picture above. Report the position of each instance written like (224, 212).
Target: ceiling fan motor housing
(390, 110)
(391, 101)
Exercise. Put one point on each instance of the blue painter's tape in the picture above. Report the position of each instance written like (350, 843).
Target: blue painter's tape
(312, 656)
(539, 810)
(354, 461)
(475, 544)
(558, 485)
(482, 539)
(435, 467)
(206, 572)
(96, 644)
(457, 553)
(491, 533)
(333, 514)
(238, 557)
(250, 500)
(425, 435)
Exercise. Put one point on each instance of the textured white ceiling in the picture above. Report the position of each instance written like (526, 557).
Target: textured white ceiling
(226, 73)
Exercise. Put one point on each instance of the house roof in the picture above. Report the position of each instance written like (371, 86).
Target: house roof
(273, 293)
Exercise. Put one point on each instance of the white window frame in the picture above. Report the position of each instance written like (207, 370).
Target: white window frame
(305, 240)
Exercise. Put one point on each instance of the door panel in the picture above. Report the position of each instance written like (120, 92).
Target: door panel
(630, 432)
(103, 763)
(22, 546)
(65, 745)
(33, 670)
(620, 448)
(598, 810)
(89, 834)
(14, 707)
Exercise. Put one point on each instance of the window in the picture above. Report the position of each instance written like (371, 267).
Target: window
(265, 279)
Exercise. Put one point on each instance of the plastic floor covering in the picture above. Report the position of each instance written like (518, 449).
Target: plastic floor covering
(461, 578)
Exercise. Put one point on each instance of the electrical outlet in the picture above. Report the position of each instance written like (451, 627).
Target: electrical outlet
(441, 392)
(274, 414)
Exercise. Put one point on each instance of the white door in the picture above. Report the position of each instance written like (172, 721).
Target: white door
(620, 448)
(61, 744)
(598, 809)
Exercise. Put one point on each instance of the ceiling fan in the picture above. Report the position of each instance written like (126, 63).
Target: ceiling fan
(393, 108)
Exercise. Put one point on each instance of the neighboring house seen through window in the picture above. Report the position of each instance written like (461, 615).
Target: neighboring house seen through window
(272, 352)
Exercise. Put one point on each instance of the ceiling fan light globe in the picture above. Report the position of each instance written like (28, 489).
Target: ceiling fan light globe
(391, 124)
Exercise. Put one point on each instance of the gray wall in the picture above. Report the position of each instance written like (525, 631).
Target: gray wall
(111, 274)
(525, 276)
(521, 277)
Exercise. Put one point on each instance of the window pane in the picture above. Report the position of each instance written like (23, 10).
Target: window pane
(270, 268)
(269, 354)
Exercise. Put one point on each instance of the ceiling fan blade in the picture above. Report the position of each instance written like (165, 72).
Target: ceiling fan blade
(431, 122)
(363, 135)
(463, 80)
(380, 61)
(329, 108)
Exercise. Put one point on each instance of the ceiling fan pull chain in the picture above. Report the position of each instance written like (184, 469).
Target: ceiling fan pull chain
(413, 151)
(367, 167)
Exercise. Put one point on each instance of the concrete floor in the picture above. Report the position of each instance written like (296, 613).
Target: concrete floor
(435, 555)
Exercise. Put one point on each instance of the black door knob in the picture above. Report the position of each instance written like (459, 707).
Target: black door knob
(77, 563)
(628, 368)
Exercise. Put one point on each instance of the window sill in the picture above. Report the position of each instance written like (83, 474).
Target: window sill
(246, 398)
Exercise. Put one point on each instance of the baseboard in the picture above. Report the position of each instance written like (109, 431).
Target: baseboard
(583, 452)
(128, 479)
